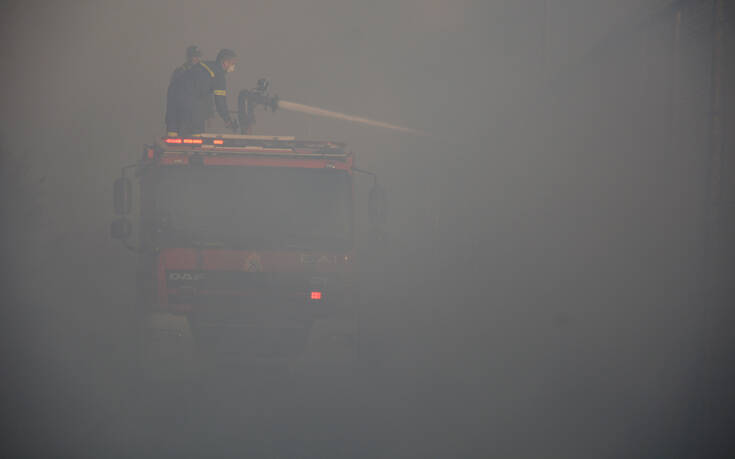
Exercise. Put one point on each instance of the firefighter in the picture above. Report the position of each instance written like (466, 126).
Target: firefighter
(173, 95)
(225, 63)
(200, 83)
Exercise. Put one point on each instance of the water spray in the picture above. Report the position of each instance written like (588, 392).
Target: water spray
(301, 108)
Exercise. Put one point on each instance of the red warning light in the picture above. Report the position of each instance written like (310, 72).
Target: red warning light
(196, 141)
(150, 153)
(173, 140)
(218, 142)
(316, 295)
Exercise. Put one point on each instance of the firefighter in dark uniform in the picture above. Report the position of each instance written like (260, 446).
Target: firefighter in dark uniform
(202, 82)
(175, 87)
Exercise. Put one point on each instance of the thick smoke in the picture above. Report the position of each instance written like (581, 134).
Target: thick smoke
(543, 291)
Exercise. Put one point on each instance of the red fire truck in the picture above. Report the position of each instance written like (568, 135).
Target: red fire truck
(246, 247)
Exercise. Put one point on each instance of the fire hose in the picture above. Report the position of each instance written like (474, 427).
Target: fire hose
(248, 100)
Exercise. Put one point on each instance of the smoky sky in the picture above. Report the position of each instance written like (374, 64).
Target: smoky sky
(541, 292)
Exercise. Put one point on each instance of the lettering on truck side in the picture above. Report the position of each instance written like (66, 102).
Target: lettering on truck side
(178, 276)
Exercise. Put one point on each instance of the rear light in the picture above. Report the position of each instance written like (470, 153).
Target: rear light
(194, 141)
(316, 295)
(173, 140)
(218, 142)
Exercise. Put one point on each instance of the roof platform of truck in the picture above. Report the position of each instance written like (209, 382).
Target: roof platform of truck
(232, 149)
(251, 144)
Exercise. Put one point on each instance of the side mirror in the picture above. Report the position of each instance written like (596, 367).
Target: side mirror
(122, 196)
(377, 204)
(121, 228)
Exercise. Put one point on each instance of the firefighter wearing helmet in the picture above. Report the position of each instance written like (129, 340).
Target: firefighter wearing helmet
(200, 83)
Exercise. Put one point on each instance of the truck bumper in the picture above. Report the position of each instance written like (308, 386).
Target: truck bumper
(174, 343)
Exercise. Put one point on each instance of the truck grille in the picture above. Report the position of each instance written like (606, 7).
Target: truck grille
(244, 314)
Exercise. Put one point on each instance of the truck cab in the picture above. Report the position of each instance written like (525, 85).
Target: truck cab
(245, 247)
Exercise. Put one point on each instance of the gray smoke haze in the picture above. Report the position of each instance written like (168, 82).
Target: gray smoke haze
(544, 292)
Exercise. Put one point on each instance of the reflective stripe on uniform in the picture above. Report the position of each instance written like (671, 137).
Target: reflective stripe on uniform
(220, 92)
(211, 73)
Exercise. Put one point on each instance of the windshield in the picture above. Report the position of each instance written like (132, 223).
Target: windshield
(254, 207)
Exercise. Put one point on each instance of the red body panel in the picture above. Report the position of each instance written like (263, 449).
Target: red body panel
(173, 159)
(213, 260)
(262, 153)
(244, 260)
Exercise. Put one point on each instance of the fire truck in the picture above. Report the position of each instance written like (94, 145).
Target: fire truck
(245, 247)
